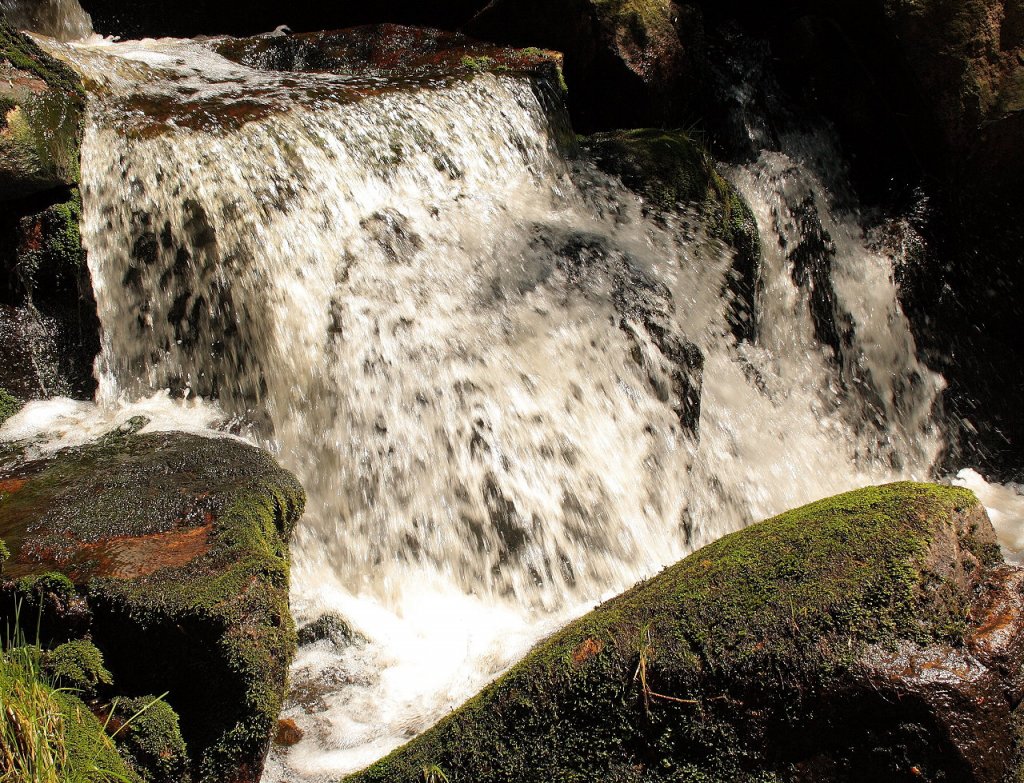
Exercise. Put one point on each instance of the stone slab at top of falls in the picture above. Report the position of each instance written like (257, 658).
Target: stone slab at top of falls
(218, 85)
(176, 546)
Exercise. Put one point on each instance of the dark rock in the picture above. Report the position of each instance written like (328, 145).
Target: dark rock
(171, 550)
(330, 628)
(48, 324)
(671, 171)
(388, 51)
(875, 635)
(624, 58)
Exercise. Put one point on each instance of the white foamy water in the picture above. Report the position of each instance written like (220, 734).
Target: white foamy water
(1005, 505)
(62, 423)
(478, 357)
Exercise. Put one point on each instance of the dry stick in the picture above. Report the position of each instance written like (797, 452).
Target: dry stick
(641, 673)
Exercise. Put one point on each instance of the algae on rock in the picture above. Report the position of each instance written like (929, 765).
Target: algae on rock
(762, 657)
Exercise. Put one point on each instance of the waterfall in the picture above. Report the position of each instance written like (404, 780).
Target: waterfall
(479, 355)
(63, 20)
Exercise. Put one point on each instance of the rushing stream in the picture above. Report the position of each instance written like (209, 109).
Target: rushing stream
(480, 356)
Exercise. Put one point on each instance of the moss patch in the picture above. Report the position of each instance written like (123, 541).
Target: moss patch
(77, 665)
(50, 736)
(9, 405)
(705, 671)
(149, 736)
(42, 104)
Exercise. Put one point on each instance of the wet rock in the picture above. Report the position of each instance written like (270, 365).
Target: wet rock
(672, 171)
(170, 551)
(331, 628)
(288, 733)
(41, 102)
(624, 59)
(875, 635)
(389, 51)
(48, 323)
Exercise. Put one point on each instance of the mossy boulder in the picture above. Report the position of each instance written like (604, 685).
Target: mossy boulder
(41, 103)
(870, 636)
(671, 170)
(171, 552)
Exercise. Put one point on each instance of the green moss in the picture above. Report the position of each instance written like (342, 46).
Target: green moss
(482, 63)
(671, 170)
(151, 740)
(673, 678)
(9, 405)
(43, 129)
(77, 665)
(50, 735)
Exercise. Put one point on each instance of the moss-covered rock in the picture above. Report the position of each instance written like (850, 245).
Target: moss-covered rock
(149, 736)
(177, 544)
(41, 102)
(671, 170)
(390, 51)
(851, 639)
(49, 332)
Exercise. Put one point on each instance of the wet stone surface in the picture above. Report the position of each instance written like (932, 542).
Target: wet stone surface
(124, 507)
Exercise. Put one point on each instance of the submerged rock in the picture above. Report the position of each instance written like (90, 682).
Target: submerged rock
(875, 635)
(671, 171)
(332, 628)
(170, 551)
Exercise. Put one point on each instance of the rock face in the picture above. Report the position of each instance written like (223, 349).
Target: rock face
(388, 51)
(875, 635)
(624, 58)
(49, 332)
(170, 552)
(41, 103)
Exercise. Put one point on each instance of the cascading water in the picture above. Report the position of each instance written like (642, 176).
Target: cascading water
(63, 20)
(482, 360)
